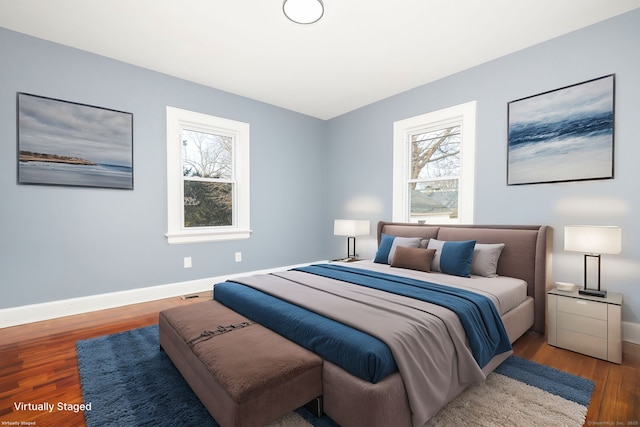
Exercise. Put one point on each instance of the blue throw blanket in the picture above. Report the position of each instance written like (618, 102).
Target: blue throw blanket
(357, 352)
(478, 315)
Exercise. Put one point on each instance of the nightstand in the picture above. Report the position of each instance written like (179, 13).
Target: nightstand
(585, 324)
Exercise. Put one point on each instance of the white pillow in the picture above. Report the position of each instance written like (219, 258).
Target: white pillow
(437, 245)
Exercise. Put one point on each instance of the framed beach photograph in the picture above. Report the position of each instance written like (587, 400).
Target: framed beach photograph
(73, 144)
(562, 135)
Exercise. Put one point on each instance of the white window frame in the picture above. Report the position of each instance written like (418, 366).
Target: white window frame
(403, 129)
(177, 120)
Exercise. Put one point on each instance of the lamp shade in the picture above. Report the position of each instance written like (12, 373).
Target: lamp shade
(593, 239)
(303, 11)
(351, 227)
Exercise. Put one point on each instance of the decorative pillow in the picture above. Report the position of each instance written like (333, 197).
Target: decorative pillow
(411, 242)
(452, 257)
(485, 259)
(413, 258)
(382, 255)
(437, 245)
(388, 245)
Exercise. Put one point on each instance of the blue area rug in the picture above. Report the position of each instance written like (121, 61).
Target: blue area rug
(558, 383)
(130, 382)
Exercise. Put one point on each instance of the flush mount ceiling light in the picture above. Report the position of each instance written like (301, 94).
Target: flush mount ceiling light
(303, 11)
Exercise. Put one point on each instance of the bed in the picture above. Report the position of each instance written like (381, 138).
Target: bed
(435, 352)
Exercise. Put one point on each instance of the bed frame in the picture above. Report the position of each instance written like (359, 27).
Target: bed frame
(526, 254)
(354, 402)
(351, 401)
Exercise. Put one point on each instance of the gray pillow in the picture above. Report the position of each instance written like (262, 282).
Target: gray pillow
(485, 259)
(412, 242)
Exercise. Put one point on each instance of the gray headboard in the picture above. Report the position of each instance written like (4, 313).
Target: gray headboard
(525, 255)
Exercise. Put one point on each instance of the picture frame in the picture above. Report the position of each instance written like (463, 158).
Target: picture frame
(72, 144)
(562, 135)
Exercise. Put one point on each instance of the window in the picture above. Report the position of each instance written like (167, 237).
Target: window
(208, 177)
(433, 166)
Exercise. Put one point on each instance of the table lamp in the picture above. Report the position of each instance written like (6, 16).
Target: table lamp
(351, 228)
(593, 241)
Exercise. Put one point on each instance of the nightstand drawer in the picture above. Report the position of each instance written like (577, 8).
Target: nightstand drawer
(582, 324)
(582, 307)
(582, 343)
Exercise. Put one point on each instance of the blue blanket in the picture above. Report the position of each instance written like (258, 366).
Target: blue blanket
(478, 315)
(355, 351)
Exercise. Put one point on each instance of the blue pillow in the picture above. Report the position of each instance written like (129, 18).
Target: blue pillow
(453, 257)
(382, 256)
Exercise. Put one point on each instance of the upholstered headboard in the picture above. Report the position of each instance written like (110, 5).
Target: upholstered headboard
(525, 255)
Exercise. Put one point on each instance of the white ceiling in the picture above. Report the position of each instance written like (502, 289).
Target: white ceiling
(360, 52)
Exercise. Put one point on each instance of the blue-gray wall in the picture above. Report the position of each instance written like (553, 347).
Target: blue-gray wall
(360, 149)
(61, 243)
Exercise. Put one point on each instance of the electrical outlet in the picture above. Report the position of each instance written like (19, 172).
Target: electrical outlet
(238, 256)
(187, 262)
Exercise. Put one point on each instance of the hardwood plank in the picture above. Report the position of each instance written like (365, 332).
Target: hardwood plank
(39, 364)
(39, 360)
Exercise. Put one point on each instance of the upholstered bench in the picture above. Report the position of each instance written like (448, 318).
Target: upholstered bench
(243, 373)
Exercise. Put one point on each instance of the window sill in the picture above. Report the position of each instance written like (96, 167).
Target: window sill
(200, 236)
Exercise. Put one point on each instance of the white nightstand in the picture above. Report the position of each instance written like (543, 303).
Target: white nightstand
(585, 324)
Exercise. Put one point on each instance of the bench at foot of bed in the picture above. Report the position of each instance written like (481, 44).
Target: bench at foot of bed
(242, 372)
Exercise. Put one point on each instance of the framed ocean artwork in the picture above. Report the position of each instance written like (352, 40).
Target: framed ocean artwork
(562, 135)
(72, 144)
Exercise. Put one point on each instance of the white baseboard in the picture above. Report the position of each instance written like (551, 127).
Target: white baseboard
(631, 332)
(50, 310)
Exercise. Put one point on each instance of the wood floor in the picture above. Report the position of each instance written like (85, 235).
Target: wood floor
(38, 363)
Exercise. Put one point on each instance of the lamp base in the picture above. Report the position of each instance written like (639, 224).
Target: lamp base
(593, 293)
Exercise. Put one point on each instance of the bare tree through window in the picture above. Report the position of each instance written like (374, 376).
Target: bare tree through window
(435, 171)
(207, 164)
